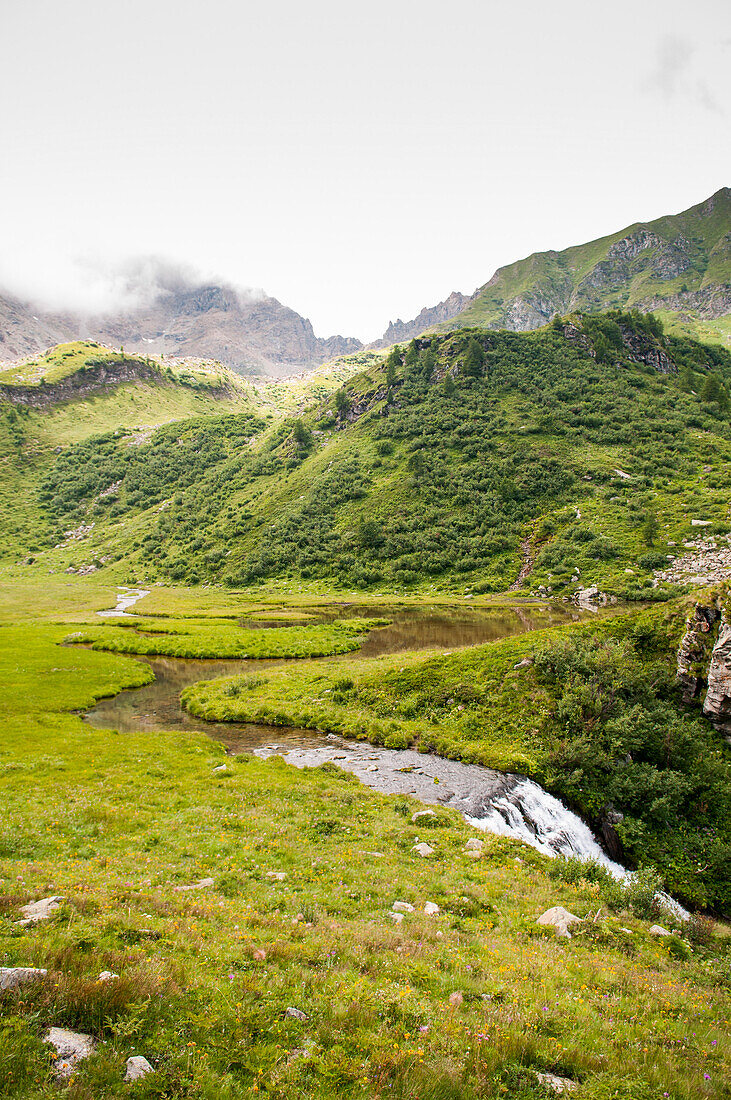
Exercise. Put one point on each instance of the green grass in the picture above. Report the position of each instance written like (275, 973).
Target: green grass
(116, 823)
(221, 638)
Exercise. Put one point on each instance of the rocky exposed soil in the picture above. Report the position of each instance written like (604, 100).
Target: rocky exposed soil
(707, 561)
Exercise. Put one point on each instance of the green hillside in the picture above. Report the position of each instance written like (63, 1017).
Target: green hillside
(679, 265)
(79, 390)
(578, 454)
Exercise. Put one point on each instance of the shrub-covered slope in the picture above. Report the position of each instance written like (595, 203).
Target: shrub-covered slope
(568, 456)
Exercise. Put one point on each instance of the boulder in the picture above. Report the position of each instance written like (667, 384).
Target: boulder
(423, 849)
(402, 907)
(71, 1047)
(422, 813)
(560, 919)
(556, 1084)
(13, 976)
(40, 910)
(137, 1068)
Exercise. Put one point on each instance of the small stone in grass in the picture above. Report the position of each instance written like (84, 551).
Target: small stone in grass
(137, 1068)
(658, 930)
(260, 954)
(423, 849)
(107, 976)
(201, 884)
(402, 907)
(456, 999)
(556, 1084)
(71, 1047)
(40, 910)
(296, 1013)
(431, 909)
(422, 813)
(277, 876)
(13, 976)
(396, 917)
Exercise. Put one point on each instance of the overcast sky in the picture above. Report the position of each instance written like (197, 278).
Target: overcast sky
(357, 161)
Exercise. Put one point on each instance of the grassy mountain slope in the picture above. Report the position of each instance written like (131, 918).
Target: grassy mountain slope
(679, 264)
(79, 390)
(578, 452)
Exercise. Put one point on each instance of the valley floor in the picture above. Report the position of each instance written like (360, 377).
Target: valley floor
(227, 891)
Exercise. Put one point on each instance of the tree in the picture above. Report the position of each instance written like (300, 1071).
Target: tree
(474, 359)
(412, 357)
(448, 385)
(427, 362)
(393, 362)
(650, 527)
(342, 403)
(301, 434)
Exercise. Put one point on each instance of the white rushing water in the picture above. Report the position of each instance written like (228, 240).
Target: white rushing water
(526, 812)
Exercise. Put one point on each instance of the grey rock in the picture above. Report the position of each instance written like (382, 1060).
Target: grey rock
(202, 884)
(560, 919)
(137, 1068)
(423, 850)
(402, 907)
(421, 814)
(107, 976)
(13, 976)
(40, 910)
(717, 703)
(431, 909)
(556, 1084)
(71, 1048)
(658, 930)
(296, 1014)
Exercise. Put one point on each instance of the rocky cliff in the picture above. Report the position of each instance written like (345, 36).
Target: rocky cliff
(704, 660)
(399, 331)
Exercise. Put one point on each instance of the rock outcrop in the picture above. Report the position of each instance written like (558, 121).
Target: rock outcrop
(704, 661)
(717, 703)
(694, 652)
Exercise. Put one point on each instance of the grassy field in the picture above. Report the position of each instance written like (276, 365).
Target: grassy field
(221, 638)
(206, 976)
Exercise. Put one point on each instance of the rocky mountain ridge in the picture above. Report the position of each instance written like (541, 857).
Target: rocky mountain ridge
(252, 335)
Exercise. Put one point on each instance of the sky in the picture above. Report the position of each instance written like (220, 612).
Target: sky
(356, 161)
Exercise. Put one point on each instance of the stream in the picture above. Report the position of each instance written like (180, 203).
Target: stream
(505, 804)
